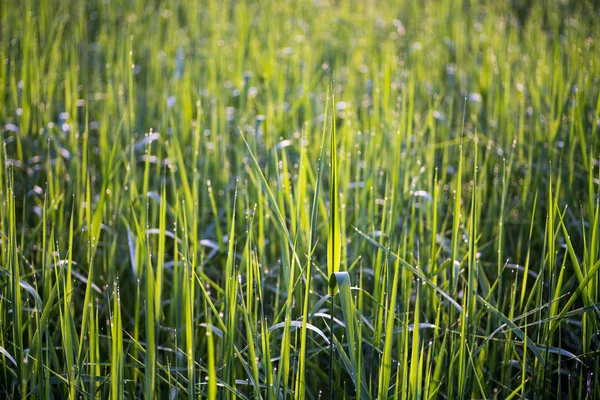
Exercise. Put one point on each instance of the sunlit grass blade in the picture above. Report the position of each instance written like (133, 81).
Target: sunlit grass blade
(334, 246)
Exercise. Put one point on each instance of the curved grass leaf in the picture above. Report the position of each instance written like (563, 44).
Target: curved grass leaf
(412, 269)
(355, 369)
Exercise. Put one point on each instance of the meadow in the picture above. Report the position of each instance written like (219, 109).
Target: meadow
(318, 199)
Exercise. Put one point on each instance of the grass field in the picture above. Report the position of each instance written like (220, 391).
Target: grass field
(299, 199)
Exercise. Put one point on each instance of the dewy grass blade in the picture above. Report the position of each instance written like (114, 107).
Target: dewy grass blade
(385, 369)
(412, 269)
(530, 344)
(301, 380)
(278, 216)
(334, 247)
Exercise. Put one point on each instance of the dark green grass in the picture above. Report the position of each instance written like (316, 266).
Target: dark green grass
(312, 199)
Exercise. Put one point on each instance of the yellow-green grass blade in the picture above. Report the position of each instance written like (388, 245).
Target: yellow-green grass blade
(334, 246)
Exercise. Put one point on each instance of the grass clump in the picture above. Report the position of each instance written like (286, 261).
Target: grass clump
(299, 199)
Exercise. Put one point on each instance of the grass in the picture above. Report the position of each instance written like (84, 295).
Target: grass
(349, 199)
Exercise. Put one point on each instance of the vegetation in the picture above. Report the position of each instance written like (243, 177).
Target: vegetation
(312, 199)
